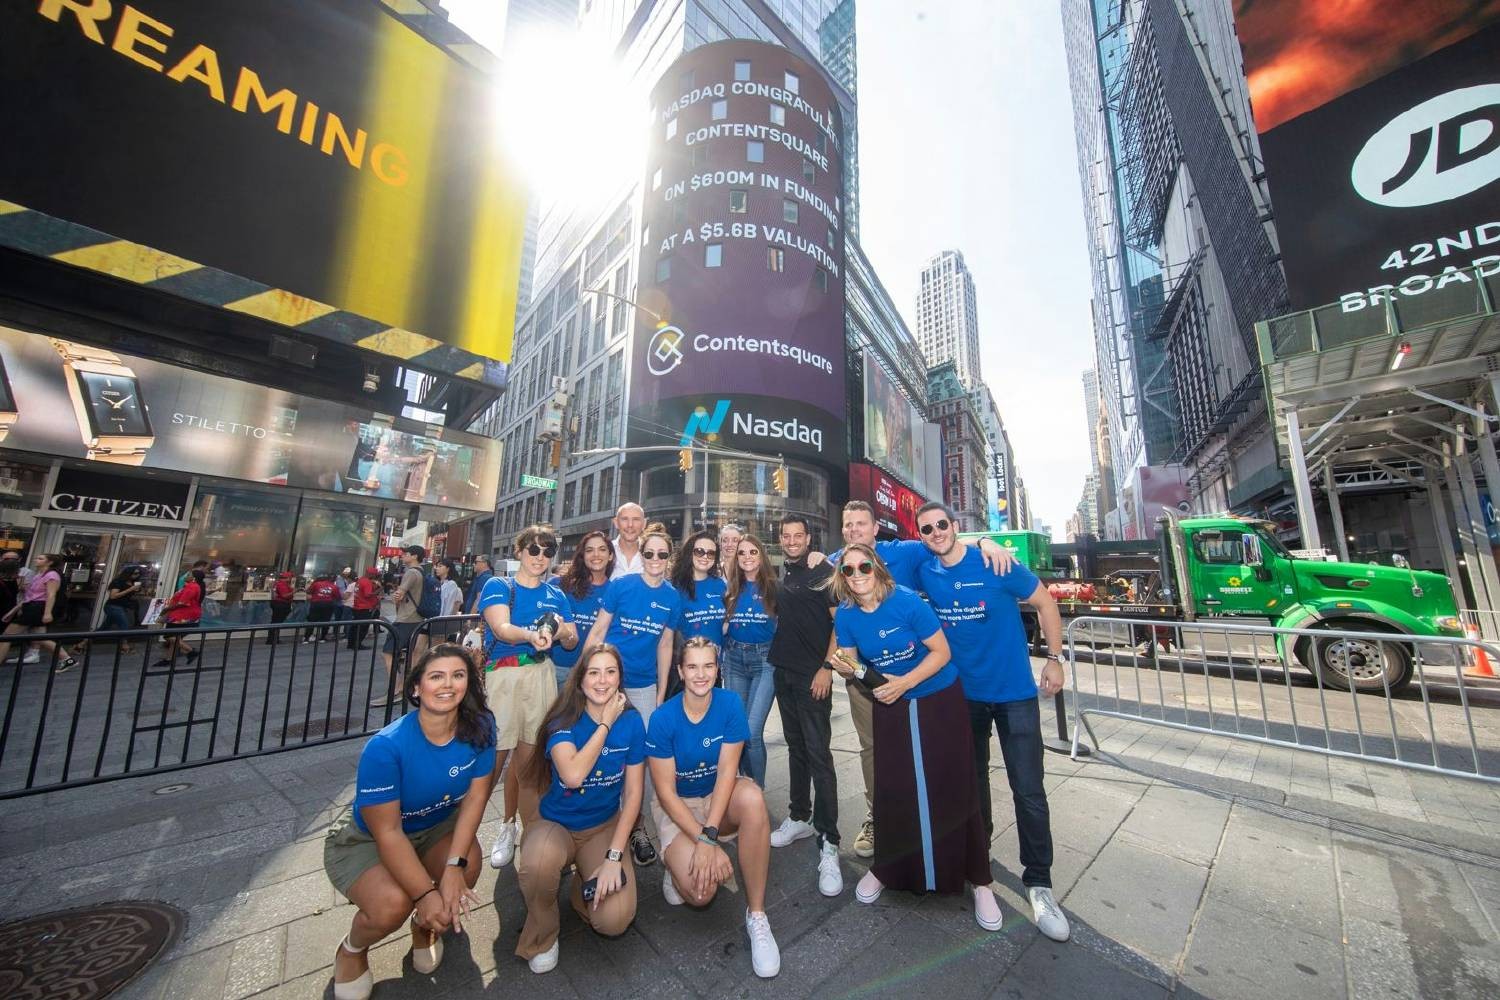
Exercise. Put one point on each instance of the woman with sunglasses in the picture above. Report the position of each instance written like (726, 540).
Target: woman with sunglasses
(526, 617)
(695, 574)
(929, 831)
(407, 847)
(693, 747)
(591, 776)
(637, 620)
(584, 583)
(749, 624)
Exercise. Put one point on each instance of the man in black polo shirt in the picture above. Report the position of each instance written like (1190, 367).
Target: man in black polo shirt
(800, 651)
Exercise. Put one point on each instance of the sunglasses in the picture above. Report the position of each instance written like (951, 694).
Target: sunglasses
(866, 568)
(654, 555)
(941, 524)
(541, 550)
(706, 553)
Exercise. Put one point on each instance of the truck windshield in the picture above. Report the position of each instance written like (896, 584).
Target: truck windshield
(1273, 543)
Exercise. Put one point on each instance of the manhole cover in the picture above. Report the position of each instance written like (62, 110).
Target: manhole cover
(316, 729)
(84, 953)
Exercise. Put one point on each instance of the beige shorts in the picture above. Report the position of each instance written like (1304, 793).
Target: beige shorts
(697, 806)
(520, 698)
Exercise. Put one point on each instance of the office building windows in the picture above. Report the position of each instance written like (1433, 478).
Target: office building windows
(809, 172)
(664, 269)
(742, 70)
(778, 115)
(792, 83)
(713, 255)
(672, 129)
(755, 152)
(788, 210)
(720, 110)
(775, 259)
(820, 278)
(739, 202)
(656, 179)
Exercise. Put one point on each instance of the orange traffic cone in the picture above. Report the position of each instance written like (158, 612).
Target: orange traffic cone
(1479, 660)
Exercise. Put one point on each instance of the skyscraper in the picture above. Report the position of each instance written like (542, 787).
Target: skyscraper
(947, 316)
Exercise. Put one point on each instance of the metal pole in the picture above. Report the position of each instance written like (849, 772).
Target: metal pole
(561, 471)
(1430, 473)
(1307, 516)
(1463, 525)
(1481, 536)
(705, 487)
(1341, 540)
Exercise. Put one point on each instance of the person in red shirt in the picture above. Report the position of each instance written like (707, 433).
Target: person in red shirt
(323, 599)
(367, 593)
(282, 594)
(182, 614)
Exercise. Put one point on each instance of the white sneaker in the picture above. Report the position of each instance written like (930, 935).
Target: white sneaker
(765, 957)
(987, 908)
(1047, 914)
(545, 962)
(869, 888)
(830, 876)
(32, 657)
(790, 831)
(669, 890)
(505, 843)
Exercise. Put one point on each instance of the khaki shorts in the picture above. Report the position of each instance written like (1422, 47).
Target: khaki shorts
(520, 697)
(698, 806)
(349, 852)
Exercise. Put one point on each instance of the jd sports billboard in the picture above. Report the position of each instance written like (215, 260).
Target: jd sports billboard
(740, 340)
(1380, 128)
(322, 148)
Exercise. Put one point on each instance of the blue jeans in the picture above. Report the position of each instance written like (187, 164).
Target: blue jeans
(1019, 726)
(749, 675)
(116, 618)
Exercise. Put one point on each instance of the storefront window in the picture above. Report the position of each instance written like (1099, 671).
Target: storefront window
(244, 535)
(21, 489)
(331, 536)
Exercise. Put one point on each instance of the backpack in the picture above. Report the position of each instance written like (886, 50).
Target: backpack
(431, 604)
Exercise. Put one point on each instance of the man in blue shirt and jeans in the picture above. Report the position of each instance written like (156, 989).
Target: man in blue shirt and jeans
(981, 616)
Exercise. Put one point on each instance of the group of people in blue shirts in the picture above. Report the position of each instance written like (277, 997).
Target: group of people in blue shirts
(633, 684)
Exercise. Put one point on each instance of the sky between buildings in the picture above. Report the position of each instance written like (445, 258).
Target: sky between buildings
(966, 142)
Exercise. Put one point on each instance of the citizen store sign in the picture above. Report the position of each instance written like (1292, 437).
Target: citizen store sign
(79, 491)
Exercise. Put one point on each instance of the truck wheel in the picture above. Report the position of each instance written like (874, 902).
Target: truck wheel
(1368, 664)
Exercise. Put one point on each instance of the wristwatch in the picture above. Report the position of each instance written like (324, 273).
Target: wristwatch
(107, 401)
(710, 835)
(8, 411)
(458, 861)
(613, 855)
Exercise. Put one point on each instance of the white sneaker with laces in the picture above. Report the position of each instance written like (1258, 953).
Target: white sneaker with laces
(669, 890)
(545, 962)
(869, 888)
(505, 843)
(32, 657)
(790, 831)
(830, 876)
(1047, 914)
(765, 956)
(987, 908)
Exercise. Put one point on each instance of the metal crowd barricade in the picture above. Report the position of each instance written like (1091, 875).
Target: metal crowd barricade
(1245, 682)
(251, 689)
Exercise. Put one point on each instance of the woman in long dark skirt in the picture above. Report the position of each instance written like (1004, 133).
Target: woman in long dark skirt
(929, 832)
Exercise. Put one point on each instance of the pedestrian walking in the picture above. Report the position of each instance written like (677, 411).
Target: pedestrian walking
(323, 602)
(484, 572)
(749, 624)
(591, 774)
(181, 614)
(403, 637)
(693, 748)
(120, 602)
(451, 595)
(801, 650)
(40, 600)
(929, 834)
(981, 618)
(283, 592)
(583, 583)
(365, 605)
(346, 582)
(406, 848)
(525, 617)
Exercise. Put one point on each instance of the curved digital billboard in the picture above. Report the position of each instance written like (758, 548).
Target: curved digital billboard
(741, 338)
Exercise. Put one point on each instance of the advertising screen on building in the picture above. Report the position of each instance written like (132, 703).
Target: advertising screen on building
(895, 505)
(69, 399)
(740, 338)
(896, 436)
(1380, 128)
(324, 149)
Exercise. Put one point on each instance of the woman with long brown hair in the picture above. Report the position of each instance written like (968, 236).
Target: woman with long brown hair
(41, 597)
(584, 583)
(590, 775)
(929, 831)
(749, 624)
(407, 845)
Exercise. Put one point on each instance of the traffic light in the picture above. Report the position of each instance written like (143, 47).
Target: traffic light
(685, 459)
(778, 479)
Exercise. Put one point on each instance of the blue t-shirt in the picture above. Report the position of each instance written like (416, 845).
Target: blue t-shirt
(704, 614)
(526, 604)
(750, 622)
(598, 798)
(585, 609)
(694, 749)
(399, 764)
(982, 619)
(890, 637)
(901, 557)
(638, 614)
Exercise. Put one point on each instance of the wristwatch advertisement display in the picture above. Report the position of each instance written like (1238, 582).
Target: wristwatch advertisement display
(8, 411)
(107, 400)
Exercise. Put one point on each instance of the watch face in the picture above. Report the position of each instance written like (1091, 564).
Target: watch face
(114, 404)
(7, 398)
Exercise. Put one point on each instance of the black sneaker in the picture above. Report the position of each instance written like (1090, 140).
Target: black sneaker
(641, 847)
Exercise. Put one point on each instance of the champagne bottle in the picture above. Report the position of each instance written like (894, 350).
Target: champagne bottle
(866, 675)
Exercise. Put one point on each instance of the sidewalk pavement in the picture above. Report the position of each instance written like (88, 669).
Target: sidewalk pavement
(1190, 867)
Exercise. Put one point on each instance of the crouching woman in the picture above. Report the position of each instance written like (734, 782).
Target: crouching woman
(591, 775)
(406, 847)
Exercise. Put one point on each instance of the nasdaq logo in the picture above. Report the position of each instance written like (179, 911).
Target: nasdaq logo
(700, 421)
(1444, 148)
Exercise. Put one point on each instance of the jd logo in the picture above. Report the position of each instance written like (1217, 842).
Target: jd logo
(702, 421)
(1441, 149)
(664, 351)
